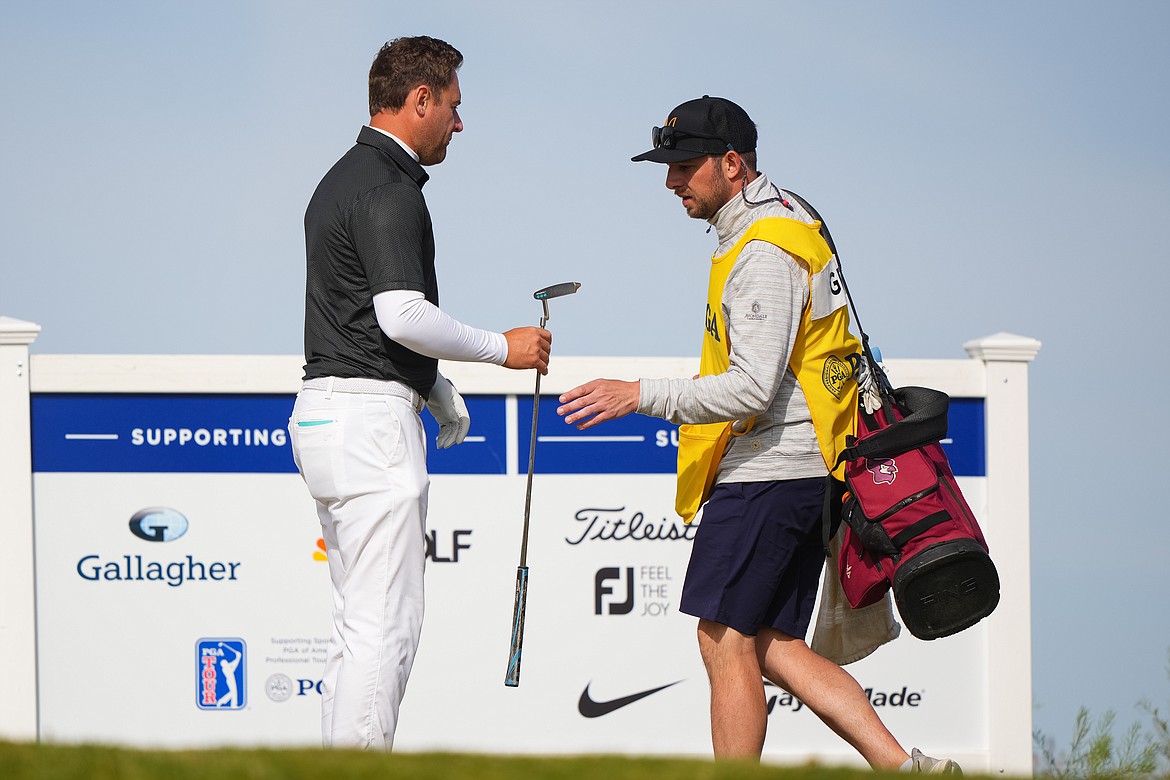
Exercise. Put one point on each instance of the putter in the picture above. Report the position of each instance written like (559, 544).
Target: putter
(512, 678)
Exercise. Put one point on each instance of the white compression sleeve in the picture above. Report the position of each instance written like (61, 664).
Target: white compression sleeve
(408, 318)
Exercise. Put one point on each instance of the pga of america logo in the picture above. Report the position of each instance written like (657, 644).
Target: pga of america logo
(220, 673)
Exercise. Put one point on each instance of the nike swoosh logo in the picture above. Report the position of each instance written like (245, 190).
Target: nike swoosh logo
(595, 709)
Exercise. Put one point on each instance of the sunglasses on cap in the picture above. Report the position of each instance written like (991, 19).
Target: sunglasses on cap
(665, 137)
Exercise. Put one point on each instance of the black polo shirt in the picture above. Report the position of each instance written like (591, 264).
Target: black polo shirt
(367, 230)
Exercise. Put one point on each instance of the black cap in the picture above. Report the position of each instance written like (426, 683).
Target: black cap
(708, 125)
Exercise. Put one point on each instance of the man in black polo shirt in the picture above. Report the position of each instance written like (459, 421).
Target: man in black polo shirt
(373, 337)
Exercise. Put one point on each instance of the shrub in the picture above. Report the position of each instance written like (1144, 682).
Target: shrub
(1096, 755)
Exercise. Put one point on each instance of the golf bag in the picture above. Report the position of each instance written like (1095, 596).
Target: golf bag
(906, 523)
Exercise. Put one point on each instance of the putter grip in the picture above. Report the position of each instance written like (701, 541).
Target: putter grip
(512, 678)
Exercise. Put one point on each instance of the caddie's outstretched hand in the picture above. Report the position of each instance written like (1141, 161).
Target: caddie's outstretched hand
(597, 401)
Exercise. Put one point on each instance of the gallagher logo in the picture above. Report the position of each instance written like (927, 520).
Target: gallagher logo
(158, 524)
(220, 674)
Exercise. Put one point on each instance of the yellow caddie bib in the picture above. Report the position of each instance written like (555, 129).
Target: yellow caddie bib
(821, 358)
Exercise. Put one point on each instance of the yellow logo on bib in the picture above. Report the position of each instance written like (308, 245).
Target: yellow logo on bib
(835, 374)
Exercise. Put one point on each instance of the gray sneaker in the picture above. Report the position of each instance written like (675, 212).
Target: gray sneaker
(924, 764)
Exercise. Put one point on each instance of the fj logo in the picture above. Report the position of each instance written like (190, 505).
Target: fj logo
(605, 594)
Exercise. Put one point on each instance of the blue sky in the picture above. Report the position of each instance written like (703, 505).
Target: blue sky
(984, 167)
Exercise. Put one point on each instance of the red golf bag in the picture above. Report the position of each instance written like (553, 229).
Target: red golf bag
(906, 523)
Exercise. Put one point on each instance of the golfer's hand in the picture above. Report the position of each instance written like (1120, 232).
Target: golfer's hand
(528, 348)
(597, 401)
(449, 412)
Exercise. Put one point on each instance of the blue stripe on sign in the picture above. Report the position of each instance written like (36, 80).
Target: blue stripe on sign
(247, 434)
(966, 442)
(161, 433)
(634, 444)
(483, 451)
(189, 433)
(645, 445)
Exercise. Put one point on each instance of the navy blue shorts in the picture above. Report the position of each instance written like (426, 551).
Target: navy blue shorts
(757, 556)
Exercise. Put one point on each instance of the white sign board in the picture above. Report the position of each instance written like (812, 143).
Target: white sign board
(183, 598)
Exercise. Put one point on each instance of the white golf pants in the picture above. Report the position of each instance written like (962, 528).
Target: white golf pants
(363, 457)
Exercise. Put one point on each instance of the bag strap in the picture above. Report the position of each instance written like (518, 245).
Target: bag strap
(926, 410)
(835, 489)
(867, 354)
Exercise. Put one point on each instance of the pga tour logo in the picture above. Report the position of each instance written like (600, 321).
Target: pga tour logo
(220, 672)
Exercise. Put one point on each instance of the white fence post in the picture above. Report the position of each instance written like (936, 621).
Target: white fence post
(18, 683)
(1009, 653)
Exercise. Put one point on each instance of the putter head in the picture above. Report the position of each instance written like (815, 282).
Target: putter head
(556, 290)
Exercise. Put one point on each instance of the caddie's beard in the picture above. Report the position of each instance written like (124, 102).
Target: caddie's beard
(705, 205)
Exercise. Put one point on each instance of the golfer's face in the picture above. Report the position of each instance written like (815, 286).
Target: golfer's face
(442, 122)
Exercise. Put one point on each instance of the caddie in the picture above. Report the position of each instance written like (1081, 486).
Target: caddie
(760, 427)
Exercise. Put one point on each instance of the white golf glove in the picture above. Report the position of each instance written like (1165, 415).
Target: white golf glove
(449, 411)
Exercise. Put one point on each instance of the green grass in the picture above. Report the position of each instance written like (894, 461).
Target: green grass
(89, 762)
